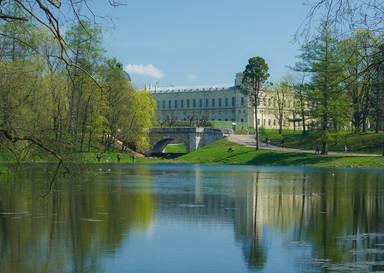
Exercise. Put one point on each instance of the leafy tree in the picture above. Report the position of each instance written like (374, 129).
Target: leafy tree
(377, 96)
(85, 42)
(118, 96)
(254, 76)
(281, 93)
(300, 90)
(139, 119)
(321, 57)
(51, 15)
(356, 55)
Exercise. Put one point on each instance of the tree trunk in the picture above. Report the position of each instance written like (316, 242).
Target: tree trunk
(377, 125)
(303, 115)
(257, 127)
(84, 123)
(303, 124)
(324, 141)
(364, 122)
(89, 139)
(280, 124)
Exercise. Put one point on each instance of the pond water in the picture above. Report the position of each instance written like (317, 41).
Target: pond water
(189, 218)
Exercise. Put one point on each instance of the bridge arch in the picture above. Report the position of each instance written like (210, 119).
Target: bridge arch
(193, 138)
(159, 146)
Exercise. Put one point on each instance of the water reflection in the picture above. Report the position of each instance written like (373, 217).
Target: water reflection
(162, 217)
(67, 230)
(340, 214)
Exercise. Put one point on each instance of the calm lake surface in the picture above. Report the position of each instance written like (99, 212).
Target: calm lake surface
(188, 218)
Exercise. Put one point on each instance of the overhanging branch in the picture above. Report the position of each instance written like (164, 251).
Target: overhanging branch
(11, 17)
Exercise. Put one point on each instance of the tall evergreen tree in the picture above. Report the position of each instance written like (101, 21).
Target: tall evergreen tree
(321, 57)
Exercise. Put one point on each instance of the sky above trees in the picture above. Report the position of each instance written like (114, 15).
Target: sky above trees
(201, 42)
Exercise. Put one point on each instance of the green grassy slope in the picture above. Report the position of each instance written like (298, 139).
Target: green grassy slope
(218, 153)
(357, 142)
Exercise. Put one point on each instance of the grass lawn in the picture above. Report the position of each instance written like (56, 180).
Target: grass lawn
(3, 169)
(218, 153)
(369, 142)
(175, 148)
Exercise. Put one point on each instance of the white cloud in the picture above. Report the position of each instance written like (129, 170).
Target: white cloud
(192, 77)
(144, 70)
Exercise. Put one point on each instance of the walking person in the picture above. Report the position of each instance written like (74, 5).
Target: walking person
(98, 157)
(267, 141)
(118, 157)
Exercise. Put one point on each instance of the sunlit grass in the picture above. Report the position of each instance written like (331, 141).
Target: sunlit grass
(225, 152)
(368, 142)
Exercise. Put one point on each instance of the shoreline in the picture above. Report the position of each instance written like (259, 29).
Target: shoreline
(224, 152)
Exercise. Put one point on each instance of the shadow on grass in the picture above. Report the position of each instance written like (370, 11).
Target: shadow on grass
(234, 155)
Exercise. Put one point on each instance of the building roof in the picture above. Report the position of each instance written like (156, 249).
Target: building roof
(174, 89)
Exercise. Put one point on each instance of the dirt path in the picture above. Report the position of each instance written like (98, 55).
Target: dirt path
(249, 141)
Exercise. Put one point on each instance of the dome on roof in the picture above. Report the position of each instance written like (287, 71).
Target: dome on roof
(127, 76)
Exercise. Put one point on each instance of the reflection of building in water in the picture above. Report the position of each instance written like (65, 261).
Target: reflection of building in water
(251, 206)
(199, 194)
(258, 204)
(264, 200)
(200, 203)
(213, 208)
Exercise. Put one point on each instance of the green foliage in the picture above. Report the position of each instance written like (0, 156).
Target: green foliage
(368, 142)
(46, 104)
(327, 99)
(185, 123)
(139, 119)
(255, 73)
(3, 170)
(102, 213)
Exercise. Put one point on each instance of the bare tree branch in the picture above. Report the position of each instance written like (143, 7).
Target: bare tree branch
(14, 18)
(14, 138)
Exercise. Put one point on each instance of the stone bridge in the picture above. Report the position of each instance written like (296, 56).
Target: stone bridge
(193, 138)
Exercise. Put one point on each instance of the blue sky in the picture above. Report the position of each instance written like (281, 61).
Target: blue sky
(202, 42)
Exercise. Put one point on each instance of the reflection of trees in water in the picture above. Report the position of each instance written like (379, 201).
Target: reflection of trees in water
(253, 212)
(59, 233)
(317, 207)
(349, 219)
(263, 201)
(67, 231)
(249, 230)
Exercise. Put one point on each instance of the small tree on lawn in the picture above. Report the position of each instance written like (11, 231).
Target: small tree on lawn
(254, 75)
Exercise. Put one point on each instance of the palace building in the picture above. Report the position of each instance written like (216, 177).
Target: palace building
(219, 103)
